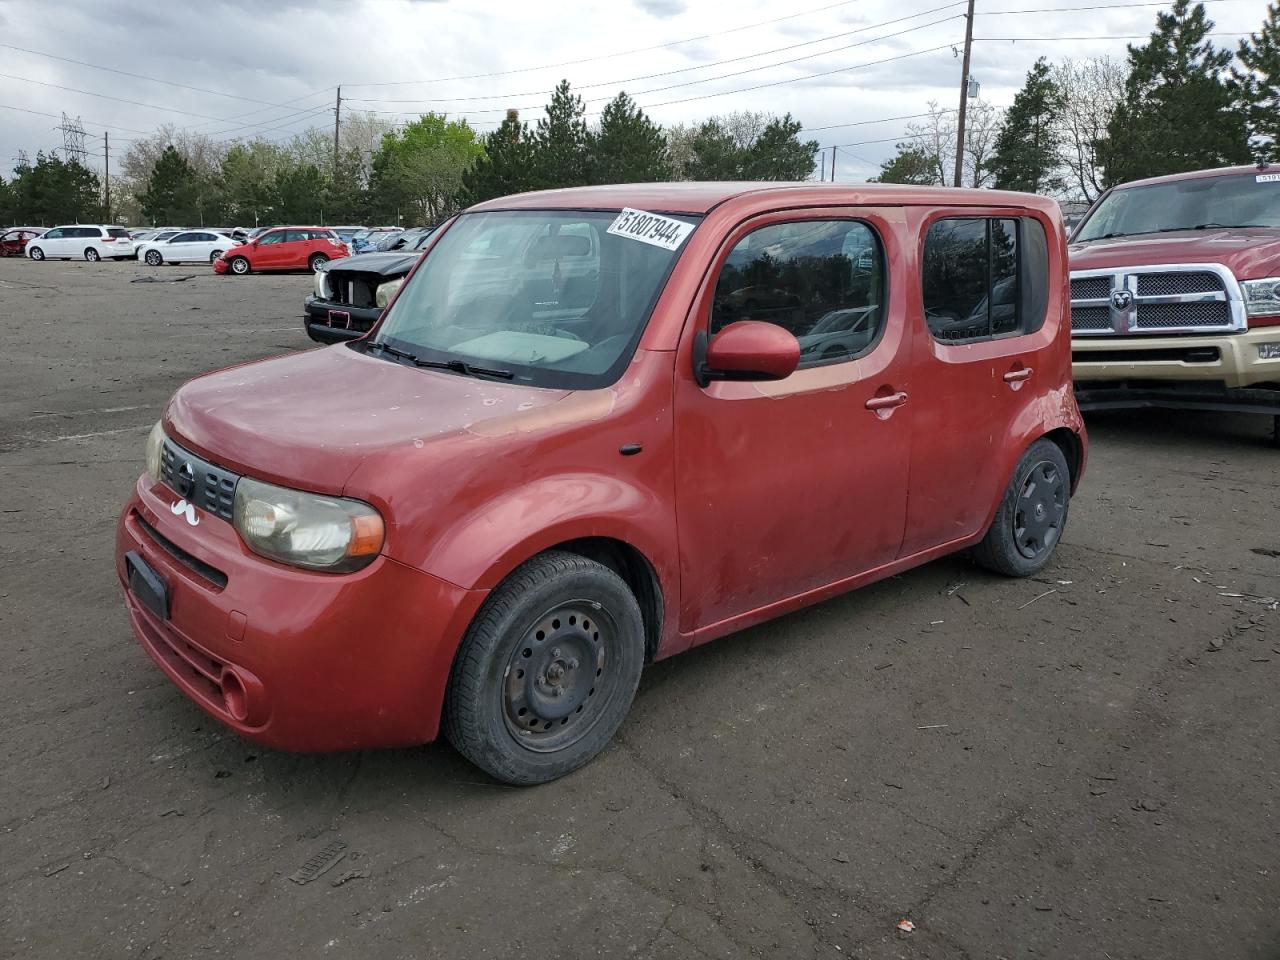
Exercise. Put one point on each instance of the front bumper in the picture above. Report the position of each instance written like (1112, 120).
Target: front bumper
(329, 322)
(321, 661)
(1234, 360)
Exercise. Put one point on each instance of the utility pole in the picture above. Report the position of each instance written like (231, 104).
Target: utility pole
(106, 176)
(833, 164)
(337, 120)
(964, 95)
(823, 155)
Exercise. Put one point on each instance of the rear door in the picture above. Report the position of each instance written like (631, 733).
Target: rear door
(981, 298)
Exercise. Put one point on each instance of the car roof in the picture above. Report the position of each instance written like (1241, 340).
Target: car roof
(702, 197)
(1201, 175)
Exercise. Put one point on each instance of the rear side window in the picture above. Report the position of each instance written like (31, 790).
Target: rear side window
(984, 277)
(823, 280)
(293, 236)
(118, 232)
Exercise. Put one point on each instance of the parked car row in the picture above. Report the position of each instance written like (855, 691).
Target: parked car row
(13, 242)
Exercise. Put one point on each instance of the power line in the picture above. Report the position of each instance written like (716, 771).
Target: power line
(1109, 36)
(610, 56)
(863, 123)
(54, 116)
(716, 63)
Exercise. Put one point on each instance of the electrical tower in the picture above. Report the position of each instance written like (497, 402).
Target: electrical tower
(73, 140)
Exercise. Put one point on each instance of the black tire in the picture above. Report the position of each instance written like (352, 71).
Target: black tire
(317, 261)
(239, 266)
(1032, 515)
(91, 255)
(154, 257)
(526, 726)
(35, 253)
(215, 255)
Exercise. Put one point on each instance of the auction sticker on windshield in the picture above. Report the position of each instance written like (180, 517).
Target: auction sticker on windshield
(1267, 178)
(653, 228)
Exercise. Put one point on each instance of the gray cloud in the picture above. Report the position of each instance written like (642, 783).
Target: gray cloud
(662, 8)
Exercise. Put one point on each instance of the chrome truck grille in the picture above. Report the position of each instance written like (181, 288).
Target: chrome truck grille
(1177, 298)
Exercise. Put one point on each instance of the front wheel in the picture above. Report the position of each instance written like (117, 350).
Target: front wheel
(35, 253)
(239, 265)
(154, 257)
(317, 261)
(1031, 516)
(92, 255)
(547, 670)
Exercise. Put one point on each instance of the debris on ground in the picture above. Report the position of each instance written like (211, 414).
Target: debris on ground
(320, 863)
(348, 877)
(841, 858)
(906, 926)
(1216, 644)
(190, 276)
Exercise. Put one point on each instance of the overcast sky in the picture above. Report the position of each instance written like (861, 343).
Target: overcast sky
(273, 66)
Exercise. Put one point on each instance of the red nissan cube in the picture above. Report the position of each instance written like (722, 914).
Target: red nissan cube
(597, 427)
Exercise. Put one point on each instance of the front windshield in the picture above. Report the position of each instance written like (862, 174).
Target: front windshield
(550, 296)
(1202, 203)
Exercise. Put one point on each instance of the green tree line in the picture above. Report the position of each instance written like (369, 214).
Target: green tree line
(419, 173)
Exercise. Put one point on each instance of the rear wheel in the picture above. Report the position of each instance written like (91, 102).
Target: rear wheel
(215, 255)
(91, 255)
(239, 265)
(154, 257)
(35, 253)
(547, 671)
(1031, 516)
(317, 261)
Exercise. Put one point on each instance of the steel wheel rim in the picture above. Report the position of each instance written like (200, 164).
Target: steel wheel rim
(560, 676)
(153, 258)
(91, 256)
(1040, 510)
(238, 266)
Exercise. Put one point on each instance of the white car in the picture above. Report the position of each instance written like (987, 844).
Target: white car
(151, 236)
(88, 241)
(191, 246)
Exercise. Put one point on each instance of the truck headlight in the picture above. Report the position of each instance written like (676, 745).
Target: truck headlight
(332, 534)
(386, 291)
(322, 285)
(1262, 297)
(155, 449)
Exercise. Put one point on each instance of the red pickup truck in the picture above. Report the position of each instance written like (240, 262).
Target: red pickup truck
(1175, 294)
(594, 428)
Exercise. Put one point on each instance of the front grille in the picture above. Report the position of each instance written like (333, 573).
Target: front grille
(206, 485)
(1173, 284)
(351, 290)
(1180, 298)
(1166, 316)
(188, 560)
(1190, 355)
(1090, 288)
(1090, 318)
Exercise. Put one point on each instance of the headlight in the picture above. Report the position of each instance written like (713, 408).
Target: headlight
(155, 447)
(386, 291)
(1262, 297)
(322, 285)
(306, 530)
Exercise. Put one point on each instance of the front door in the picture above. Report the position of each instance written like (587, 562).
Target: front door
(54, 242)
(983, 292)
(786, 487)
(270, 251)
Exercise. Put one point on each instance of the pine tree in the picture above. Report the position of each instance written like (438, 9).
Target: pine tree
(716, 156)
(779, 154)
(561, 153)
(629, 148)
(171, 195)
(1258, 84)
(55, 191)
(1178, 112)
(505, 166)
(1026, 151)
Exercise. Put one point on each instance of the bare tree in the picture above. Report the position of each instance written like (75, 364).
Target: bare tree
(198, 149)
(935, 138)
(1091, 91)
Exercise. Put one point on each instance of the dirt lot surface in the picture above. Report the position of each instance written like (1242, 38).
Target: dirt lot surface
(1084, 765)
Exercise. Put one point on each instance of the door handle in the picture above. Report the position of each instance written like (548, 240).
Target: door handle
(887, 403)
(1017, 376)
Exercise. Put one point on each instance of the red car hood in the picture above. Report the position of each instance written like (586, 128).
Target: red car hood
(308, 420)
(1249, 254)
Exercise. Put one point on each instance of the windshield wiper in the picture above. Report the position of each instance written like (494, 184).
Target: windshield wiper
(457, 366)
(1228, 226)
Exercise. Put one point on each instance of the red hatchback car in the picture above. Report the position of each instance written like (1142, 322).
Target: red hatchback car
(595, 428)
(13, 242)
(283, 248)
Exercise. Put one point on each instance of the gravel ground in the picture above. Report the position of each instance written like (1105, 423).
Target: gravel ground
(1084, 765)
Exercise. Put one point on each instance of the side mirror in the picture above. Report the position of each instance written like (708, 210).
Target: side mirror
(746, 350)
